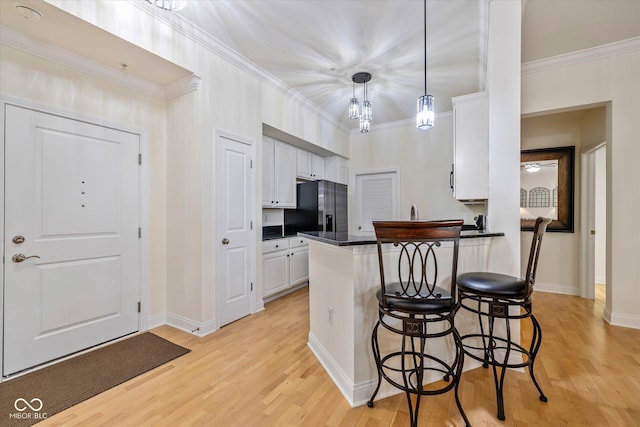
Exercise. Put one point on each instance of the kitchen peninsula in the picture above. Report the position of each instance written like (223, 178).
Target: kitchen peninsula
(343, 309)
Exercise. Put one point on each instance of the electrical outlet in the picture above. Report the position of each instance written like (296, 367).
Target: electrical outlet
(330, 314)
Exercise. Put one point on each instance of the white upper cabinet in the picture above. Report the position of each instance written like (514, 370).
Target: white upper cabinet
(268, 166)
(285, 176)
(303, 165)
(317, 167)
(278, 174)
(309, 166)
(336, 169)
(470, 170)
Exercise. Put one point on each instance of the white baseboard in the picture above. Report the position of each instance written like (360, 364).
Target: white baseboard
(358, 394)
(556, 288)
(624, 320)
(200, 329)
(341, 380)
(601, 280)
(156, 320)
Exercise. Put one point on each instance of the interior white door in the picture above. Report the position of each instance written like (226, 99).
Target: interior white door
(236, 244)
(376, 198)
(72, 261)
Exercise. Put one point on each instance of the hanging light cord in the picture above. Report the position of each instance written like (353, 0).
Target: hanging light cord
(425, 47)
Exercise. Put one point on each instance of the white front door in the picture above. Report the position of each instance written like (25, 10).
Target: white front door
(236, 246)
(72, 262)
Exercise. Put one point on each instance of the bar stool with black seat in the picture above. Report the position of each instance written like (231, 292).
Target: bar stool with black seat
(498, 296)
(414, 303)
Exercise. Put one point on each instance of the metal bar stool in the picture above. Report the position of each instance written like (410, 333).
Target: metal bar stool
(498, 296)
(412, 304)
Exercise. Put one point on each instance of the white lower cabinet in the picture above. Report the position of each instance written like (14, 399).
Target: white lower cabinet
(285, 264)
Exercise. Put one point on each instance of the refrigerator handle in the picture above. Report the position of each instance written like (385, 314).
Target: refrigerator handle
(328, 223)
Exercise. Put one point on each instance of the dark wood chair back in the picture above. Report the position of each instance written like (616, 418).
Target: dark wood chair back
(416, 269)
(539, 229)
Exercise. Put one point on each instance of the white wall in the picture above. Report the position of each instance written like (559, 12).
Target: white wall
(601, 216)
(182, 191)
(36, 81)
(423, 159)
(604, 77)
(503, 85)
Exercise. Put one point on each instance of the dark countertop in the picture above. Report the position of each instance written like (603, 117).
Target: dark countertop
(279, 236)
(344, 239)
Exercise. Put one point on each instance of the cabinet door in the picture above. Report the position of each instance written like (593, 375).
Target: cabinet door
(267, 171)
(285, 176)
(303, 166)
(275, 268)
(317, 167)
(471, 147)
(299, 266)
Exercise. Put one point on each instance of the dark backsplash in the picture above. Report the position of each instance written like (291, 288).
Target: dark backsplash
(271, 231)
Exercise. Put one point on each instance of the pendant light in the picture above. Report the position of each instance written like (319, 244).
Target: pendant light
(425, 114)
(354, 105)
(365, 114)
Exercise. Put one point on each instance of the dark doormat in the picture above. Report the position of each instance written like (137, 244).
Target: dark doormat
(28, 399)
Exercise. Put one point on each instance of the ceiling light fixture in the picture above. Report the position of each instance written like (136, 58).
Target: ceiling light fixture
(425, 114)
(365, 114)
(168, 4)
(532, 167)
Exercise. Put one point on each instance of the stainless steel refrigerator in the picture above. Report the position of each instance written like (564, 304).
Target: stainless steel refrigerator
(321, 206)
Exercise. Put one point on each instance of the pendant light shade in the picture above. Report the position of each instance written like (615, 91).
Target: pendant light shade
(354, 105)
(425, 113)
(365, 125)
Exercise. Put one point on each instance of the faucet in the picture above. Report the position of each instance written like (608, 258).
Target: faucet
(414, 213)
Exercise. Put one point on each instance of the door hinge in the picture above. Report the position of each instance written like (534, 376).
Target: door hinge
(251, 225)
(251, 164)
(139, 232)
(139, 306)
(139, 158)
(251, 286)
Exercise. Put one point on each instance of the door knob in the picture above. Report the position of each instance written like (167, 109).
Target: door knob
(22, 257)
(225, 241)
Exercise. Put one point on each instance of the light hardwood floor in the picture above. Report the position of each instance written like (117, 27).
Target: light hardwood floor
(258, 371)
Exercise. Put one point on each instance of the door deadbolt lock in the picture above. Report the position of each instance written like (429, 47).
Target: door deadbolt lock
(18, 239)
(225, 241)
(22, 257)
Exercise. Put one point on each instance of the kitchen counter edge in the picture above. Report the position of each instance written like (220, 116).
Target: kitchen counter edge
(352, 240)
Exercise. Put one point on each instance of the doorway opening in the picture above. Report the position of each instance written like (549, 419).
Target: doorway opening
(594, 219)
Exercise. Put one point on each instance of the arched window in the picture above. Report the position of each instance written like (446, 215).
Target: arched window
(539, 197)
(555, 197)
(523, 198)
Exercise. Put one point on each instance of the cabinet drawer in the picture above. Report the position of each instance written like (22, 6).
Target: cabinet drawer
(296, 242)
(274, 245)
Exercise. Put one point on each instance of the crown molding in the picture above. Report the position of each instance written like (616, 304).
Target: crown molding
(188, 29)
(17, 40)
(584, 55)
(182, 86)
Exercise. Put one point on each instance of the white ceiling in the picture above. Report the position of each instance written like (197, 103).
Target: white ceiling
(314, 46)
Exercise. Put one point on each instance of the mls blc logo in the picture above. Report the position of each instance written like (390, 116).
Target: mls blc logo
(28, 409)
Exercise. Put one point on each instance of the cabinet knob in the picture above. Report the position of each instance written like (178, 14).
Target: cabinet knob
(277, 246)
